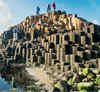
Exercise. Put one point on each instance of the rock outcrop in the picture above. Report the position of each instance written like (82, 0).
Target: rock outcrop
(60, 42)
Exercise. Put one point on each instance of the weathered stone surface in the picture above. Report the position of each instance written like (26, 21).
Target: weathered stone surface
(64, 42)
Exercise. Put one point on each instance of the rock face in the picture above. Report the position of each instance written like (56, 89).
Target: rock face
(58, 41)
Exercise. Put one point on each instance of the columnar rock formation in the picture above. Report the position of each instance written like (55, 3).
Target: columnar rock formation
(55, 39)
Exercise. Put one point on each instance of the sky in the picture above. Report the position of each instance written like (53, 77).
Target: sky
(13, 12)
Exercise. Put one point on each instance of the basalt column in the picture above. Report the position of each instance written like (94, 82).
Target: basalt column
(27, 56)
(72, 60)
(58, 52)
(31, 56)
(62, 58)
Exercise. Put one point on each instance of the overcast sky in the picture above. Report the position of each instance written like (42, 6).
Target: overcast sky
(14, 11)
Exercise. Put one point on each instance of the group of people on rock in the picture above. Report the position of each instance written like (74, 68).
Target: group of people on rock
(48, 8)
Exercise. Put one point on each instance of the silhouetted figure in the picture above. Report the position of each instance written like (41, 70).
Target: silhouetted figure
(38, 10)
(49, 8)
(54, 6)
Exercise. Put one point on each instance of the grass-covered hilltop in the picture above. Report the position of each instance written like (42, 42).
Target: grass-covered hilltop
(65, 46)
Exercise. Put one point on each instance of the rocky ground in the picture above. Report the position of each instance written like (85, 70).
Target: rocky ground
(41, 76)
(48, 77)
(86, 81)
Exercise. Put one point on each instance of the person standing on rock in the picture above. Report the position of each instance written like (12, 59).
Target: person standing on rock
(38, 10)
(54, 6)
(49, 8)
